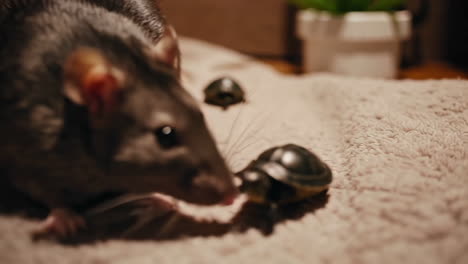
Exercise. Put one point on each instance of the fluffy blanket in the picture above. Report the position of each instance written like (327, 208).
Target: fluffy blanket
(398, 151)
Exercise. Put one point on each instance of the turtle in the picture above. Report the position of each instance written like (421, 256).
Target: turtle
(224, 92)
(284, 174)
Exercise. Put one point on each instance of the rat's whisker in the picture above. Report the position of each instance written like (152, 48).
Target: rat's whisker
(234, 123)
(168, 226)
(245, 135)
(144, 218)
(254, 140)
(116, 202)
(242, 136)
(245, 146)
(228, 139)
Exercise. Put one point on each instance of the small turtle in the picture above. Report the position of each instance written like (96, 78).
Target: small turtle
(224, 92)
(284, 174)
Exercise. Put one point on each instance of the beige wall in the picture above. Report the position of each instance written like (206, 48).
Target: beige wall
(266, 27)
(258, 27)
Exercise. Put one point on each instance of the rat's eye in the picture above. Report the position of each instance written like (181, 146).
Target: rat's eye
(167, 137)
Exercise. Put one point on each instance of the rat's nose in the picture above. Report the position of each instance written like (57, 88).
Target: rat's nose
(219, 177)
(229, 190)
(218, 191)
(230, 198)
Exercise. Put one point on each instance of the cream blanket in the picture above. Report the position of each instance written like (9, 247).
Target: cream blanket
(398, 150)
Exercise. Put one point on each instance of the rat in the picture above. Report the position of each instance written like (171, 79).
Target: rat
(91, 103)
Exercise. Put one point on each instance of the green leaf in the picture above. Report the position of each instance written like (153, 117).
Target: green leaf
(324, 5)
(344, 6)
(386, 5)
(358, 5)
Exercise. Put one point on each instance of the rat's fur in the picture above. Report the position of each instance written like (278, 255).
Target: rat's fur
(57, 151)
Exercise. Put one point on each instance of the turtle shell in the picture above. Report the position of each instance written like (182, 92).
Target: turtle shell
(284, 174)
(294, 165)
(224, 92)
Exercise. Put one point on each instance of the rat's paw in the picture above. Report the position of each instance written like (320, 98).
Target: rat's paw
(160, 202)
(60, 223)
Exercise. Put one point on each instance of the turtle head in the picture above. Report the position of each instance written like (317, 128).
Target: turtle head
(255, 184)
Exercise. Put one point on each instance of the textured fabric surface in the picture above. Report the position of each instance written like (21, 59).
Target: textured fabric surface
(398, 150)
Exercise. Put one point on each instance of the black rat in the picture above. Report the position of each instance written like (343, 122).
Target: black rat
(91, 103)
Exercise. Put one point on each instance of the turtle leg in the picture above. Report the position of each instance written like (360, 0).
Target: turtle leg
(271, 217)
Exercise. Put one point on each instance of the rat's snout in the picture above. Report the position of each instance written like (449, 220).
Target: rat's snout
(211, 182)
(215, 189)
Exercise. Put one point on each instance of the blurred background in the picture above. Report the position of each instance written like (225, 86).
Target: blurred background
(265, 29)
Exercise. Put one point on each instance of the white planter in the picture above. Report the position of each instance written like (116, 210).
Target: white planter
(357, 44)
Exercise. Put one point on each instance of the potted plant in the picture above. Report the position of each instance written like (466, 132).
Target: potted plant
(352, 37)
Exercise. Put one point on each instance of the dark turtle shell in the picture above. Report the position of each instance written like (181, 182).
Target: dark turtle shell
(224, 92)
(285, 174)
(293, 164)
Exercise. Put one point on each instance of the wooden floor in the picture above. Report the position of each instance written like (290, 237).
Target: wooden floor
(434, 70)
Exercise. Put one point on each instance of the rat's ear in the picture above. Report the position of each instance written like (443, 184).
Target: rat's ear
(167, 49)
(92, 81)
